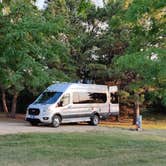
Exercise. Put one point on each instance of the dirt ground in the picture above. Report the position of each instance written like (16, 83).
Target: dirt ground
(20, 126)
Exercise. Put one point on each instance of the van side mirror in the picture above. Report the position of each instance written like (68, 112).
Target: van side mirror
(60, 104)
(65, 100)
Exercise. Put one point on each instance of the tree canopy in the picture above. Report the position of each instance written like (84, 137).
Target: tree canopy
(123, 42)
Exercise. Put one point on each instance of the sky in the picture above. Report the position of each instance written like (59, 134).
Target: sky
(99, 3)
(40, 3)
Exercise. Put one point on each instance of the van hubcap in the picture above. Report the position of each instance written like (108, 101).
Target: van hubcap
(96, 120)
(56, 122)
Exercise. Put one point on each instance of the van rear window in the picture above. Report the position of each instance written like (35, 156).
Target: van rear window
(114, 98)
(89, 97)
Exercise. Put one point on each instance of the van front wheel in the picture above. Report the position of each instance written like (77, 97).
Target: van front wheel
(56, 120)
(95, 120)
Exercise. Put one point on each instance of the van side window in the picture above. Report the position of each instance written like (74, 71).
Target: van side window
(89, 97)
(65, 100)
(114, 98)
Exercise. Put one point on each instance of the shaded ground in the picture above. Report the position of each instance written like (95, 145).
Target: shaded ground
(13, 127)
(19, 125)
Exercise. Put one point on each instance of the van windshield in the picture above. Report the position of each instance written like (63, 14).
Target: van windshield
(48, 98)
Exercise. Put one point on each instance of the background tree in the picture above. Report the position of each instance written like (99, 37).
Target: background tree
(122, 43)
(145, 55)
(32, 53)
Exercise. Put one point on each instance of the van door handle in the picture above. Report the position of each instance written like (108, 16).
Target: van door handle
(69, 106)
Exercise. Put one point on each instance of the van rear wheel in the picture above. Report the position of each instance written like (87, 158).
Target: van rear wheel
(56, 121)
(95, 120)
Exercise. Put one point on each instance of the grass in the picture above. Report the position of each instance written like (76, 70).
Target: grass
(150, 121)
(115, 147)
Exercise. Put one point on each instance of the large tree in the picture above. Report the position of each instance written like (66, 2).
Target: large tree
(32, 52)
(72, 39)
(144, 60)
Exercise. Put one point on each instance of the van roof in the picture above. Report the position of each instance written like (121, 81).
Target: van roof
(61, 87)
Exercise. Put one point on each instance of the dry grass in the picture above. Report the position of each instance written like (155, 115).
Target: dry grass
(146, 123)
(160, 124)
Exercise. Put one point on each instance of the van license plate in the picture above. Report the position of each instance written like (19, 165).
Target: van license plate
(32, 116)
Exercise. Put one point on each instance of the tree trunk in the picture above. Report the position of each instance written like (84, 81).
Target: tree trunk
(136, 112)
(14, 104)
(5, 108)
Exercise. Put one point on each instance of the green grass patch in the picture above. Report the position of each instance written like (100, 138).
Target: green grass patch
(118, 147)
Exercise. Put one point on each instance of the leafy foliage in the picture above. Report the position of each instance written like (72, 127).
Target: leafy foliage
(33, 54)
(145, 55)
(123, 42)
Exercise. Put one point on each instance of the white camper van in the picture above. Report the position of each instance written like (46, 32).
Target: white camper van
(72, 102)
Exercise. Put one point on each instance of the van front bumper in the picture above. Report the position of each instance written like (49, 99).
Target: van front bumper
(33, 120)
(39, 119)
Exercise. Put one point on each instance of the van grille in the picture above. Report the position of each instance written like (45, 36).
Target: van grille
(33, 111)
